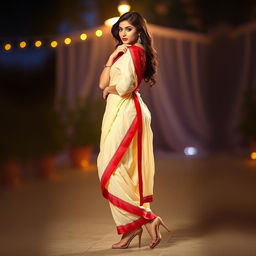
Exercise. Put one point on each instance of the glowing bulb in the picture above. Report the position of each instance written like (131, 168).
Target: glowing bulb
(67, 40)
(23, 44)
(38, 43)
(253, 155)
(7, 47)
(98, 33)
(84, 163)
(83, 36)
(190, 151)
(123, 7)
(54, 44)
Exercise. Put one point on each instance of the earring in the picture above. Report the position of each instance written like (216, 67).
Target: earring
(139, 39)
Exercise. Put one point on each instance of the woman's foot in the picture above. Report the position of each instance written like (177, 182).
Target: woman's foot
(153, 230)
(127, 238)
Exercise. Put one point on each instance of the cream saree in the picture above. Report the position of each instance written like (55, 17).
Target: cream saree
(126, 161)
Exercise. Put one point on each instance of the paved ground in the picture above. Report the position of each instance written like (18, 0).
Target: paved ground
(208, 203)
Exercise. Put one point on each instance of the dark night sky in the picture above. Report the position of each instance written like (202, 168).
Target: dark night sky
(26, 18)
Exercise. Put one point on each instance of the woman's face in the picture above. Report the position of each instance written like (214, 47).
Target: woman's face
(127, 32)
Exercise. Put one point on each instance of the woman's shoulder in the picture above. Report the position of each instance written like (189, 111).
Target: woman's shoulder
(139, 45)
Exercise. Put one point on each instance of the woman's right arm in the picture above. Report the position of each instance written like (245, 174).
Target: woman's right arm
(104, 77)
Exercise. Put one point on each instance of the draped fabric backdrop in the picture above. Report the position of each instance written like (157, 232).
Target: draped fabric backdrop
(200, 83)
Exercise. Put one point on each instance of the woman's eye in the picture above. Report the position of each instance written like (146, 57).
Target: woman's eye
(128, 29)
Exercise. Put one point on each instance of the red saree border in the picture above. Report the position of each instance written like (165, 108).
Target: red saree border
(127, 206)
(139, 151)
(136, 125)
(139, 69)
(122, 229)
(145, 215)
(139, 60)
(122, 148)
(148, 199)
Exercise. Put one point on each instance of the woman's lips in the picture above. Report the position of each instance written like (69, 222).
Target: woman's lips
(124, 39)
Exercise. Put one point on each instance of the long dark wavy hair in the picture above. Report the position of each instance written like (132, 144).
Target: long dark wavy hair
(139, 23)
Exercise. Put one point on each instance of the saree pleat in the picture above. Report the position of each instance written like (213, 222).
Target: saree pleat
(126, 161)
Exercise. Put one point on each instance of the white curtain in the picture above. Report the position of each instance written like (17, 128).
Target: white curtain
(197, 98)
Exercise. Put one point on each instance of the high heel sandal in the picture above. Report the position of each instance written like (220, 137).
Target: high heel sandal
(137, 232)
(156, 223)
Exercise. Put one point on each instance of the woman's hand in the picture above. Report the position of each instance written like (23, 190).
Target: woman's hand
(105, 93)
(120, 48)
(108, 90)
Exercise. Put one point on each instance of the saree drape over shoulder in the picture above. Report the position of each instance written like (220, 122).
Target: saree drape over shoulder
(126, 160)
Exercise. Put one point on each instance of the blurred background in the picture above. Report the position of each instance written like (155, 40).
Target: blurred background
(203, 110)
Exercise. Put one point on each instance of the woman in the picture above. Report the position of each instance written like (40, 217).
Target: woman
(126, 161)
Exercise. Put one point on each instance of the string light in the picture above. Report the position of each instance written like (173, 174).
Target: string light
(123, 7)
(67, 40)
(7, 47)
(54, 44)
(98, 33)
(23, 44)
(38, 43)
(83, 36)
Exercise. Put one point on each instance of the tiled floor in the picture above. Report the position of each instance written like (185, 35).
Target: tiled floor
(208, 203)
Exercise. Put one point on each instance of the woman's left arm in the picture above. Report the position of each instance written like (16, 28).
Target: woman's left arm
(108, 90)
